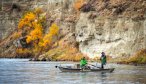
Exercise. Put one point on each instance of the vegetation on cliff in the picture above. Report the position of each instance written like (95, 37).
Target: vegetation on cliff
(138, 58)
(40, 37)
(41, 44)
(33, 28)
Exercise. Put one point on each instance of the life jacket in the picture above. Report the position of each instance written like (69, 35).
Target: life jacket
(83, 62)
(103, 59)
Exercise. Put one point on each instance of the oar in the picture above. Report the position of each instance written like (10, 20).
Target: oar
(94, 66)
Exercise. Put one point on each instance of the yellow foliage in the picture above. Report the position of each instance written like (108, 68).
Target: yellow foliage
(34, 35)
(26, 20)
(32, 23)
(30, 20)
(78, 57)
(16, 35)
(30, 16)
(65, 54)
(54, 29)
(139, 57)
(36, 49)
(22, 51)
(72, 50)
(70, 57)
(47, 40)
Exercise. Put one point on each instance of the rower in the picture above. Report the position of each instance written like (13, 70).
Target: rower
(83, 63)
(103, 60)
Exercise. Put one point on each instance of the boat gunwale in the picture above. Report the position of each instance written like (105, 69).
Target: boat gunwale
(64, 69)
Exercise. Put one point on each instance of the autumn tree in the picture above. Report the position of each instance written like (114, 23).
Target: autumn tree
(47, 39)
(33, 24)
(27, 20)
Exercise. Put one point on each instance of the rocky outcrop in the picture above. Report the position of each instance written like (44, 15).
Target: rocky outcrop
(117, 27)
(115, 36)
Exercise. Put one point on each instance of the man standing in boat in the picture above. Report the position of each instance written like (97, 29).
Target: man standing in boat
(103, 60)
(83, 63)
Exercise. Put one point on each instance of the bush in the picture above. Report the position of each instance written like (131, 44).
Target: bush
(17, 35)
(23, 53)
(139, 57)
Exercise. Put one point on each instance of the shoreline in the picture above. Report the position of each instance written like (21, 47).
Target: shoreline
(120, 63)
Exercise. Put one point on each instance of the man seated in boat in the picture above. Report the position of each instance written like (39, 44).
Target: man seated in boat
(83, 63)
(103, 60)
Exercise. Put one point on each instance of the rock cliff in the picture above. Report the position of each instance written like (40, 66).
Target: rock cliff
(117, 27)
(115, 36)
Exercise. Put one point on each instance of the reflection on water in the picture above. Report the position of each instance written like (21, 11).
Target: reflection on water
(22, 71)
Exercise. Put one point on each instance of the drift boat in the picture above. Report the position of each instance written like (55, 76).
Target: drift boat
(69, 69)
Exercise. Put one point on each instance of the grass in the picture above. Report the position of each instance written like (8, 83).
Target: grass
(138, 58)
(63, 53)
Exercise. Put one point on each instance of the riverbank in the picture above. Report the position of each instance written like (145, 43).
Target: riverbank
(139, 58)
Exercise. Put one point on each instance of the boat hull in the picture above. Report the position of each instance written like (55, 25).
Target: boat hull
(63, 69)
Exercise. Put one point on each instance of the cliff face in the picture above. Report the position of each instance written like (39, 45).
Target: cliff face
(10, 13)
(58, 11)
(12, 10)
(115, 36)
(117, 27)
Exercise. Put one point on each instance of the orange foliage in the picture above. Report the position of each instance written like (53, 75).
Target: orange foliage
(78, 4)
(32, 22)
(53, 31)
(36, 33)
(46, 40)
(26, 20)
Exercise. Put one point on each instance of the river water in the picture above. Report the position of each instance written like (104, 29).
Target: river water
(22, 71)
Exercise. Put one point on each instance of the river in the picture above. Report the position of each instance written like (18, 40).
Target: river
(22, 71)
